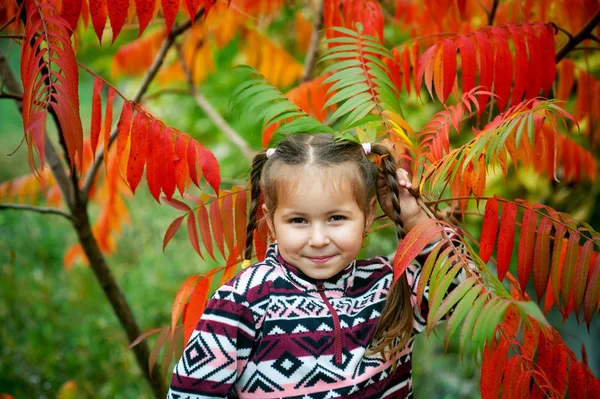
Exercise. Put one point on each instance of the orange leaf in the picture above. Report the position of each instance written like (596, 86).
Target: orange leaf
(181, 299)
(414, 242)
(123, 128)
(232, 261)
(227, 220)
(137, 154)
(205, 230)
(566, 79)
(171, 230)
(217, 228)
(96, 114)
(196, 306)
(526, 247)
(488, 230)
(193, 233)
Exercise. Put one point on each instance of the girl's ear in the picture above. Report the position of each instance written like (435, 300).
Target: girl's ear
(371, 213)
(269, 222)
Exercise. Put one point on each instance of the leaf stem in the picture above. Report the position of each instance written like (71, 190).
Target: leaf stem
(31, 208)
(10, 21)
(309, 61)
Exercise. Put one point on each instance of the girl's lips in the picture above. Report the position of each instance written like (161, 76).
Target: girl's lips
(319, 259)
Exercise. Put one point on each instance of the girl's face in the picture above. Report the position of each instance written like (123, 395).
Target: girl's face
(319, 228)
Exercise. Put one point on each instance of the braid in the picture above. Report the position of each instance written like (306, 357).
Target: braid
(395, 325)
(258, 163)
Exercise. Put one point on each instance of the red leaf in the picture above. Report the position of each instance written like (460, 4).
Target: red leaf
(205, 230)
(547, 60)
(502, 68)
(210, 167)
(488, 230)
(558, 373)
(261, 232)
(191, 160)
(530, 339)
(506, 238)
(196, 306)
(182, 206)
(520, 64)
(144, 9)
(98, 14)
(577, 381)
(154, 161)
(232, 261)
(486, 67)
(512, 372)
(168, 174)
(426, 68)
(96, 114)
(468, 62)
(241, 218)
(227, 220)
(192, 6)
(108, 120)
(171, 230)
(137, 153)
(526, 246)
(592, 387)
(581, 274)
(406, 68)
(534, 68)
(123, 128)
(558, 256)
(117, 12)
(590, 301)
(449, 67)
(170, 8)
(493, 369)
(541, 257)
(70, 12)
(217, 228)
(414, 242)
(193, 233)
(568, 270)
(414, 53)
(180, 162)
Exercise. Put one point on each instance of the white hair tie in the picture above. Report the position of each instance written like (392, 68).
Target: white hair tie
(366, 148)
(270, 152)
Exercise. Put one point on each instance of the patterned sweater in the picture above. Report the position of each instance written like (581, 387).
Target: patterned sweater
(273, 332)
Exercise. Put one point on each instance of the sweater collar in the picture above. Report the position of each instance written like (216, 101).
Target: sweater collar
(335, 286)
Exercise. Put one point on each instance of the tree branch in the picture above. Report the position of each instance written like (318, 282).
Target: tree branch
(583, 34)
(148, 78)
(20, 207)
(213, 114)
(311, 54)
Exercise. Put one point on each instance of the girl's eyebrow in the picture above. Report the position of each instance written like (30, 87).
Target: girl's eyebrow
(290, 212)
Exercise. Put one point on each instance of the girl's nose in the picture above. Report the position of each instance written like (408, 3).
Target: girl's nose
(318, 237)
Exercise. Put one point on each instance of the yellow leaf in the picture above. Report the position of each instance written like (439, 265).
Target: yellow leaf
(68, 390)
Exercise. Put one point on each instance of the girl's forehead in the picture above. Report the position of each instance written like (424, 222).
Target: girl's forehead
(336, 178)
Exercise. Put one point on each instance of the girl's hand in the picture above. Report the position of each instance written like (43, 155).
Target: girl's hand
(411, 212)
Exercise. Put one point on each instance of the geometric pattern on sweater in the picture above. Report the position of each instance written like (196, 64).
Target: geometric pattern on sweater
(269, 333)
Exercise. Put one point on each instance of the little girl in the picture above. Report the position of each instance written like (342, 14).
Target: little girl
(311, 321)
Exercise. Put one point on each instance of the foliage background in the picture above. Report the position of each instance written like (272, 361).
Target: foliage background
(57, 326)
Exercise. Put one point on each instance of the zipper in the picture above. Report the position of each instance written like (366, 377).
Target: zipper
(337, 330)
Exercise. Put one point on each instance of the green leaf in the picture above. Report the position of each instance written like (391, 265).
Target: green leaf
(346, 93)
(351, 104)
(435, 315)
(461, 311)
(467, 329)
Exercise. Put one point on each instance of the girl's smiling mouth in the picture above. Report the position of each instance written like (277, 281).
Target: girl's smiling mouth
(319, 259)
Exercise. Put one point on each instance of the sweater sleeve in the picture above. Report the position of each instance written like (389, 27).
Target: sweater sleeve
(218, 349)
(421, 313)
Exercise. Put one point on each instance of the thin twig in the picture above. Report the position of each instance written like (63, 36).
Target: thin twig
(311, 54)
(150, 75)
(10, 21)
(213, 114)
(20, 207)
(19, 37)
(583, 34)
(492, 13)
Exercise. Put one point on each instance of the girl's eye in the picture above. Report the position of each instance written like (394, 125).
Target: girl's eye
(337, 218)
(297, 220)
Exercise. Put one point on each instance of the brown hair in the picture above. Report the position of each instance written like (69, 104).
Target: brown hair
(322, 150)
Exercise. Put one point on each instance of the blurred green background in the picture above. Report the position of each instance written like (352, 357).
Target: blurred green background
(56, 325)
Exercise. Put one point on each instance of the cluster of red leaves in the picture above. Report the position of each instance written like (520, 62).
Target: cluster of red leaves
(487, 51)
(539, 365)
(50, 81)
(565, 267)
